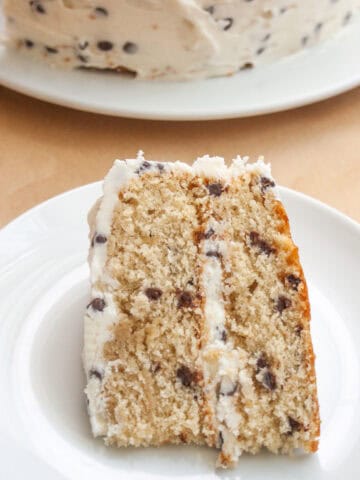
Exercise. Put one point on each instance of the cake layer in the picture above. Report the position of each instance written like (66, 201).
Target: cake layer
(198, 326)
(266, 323)
(172, 39)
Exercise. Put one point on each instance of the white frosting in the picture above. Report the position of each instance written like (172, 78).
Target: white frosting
(97, 324)
(224, 366)
(213, 284)
(202, 37)
(96, 406)
(221, 361)
(211, 167)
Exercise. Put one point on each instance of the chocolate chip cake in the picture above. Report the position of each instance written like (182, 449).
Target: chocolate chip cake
(198, 326)
(172, 39)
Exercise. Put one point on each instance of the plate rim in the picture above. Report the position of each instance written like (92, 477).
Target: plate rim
(283, 106)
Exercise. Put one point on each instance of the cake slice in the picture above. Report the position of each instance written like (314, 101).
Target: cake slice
(198, 327)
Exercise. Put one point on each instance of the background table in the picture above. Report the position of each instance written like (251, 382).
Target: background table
(46, 149)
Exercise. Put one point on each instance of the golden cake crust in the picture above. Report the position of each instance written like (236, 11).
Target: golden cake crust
(294, 263)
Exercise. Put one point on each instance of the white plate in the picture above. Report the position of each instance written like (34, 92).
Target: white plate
(317, 73)
(44, 429)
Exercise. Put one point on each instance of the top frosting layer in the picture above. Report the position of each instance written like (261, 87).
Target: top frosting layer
(172, 38)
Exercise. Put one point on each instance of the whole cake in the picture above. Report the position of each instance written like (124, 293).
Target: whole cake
(173, 39)
(198, 326)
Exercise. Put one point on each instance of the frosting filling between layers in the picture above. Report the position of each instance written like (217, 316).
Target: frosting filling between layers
(220, 360)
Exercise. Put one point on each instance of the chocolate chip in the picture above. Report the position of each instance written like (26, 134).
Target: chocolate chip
(185, 375)
(267, 37)
(217, 390)
(220, 440)
(95, 373)
(83, 45)
(247, 66)
(254, 238)
(228, 23)
(294, 425)
(224, 336)
(304, 40)
(298, 329)
(215, 189)
(36, 6)
(82, 58)
(160, 167)
(209, 233)
(210, 9)
(155, 367)
(318, 27)
(282, 303)
(293, 281)
(97, 304)
(144, 166)
(130, 48)
(232, 392)
(40, 8)
(260, 50)
(185, 300)
(105, 45)
(347, 18)
(213, 253)
(101, 11)
(266, 183)
(262, 245)
(99, 238)
(153, 293)
(51, 50)
(261, 362)
(253, 286)
(28, 43)
(283, 10)
(269, 380)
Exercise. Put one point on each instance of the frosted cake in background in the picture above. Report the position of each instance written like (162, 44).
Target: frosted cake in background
(172, 39)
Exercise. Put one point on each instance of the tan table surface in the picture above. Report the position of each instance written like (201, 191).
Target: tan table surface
(47, 149)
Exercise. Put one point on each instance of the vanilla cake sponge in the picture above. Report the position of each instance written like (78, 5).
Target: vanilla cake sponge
(198, 327)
